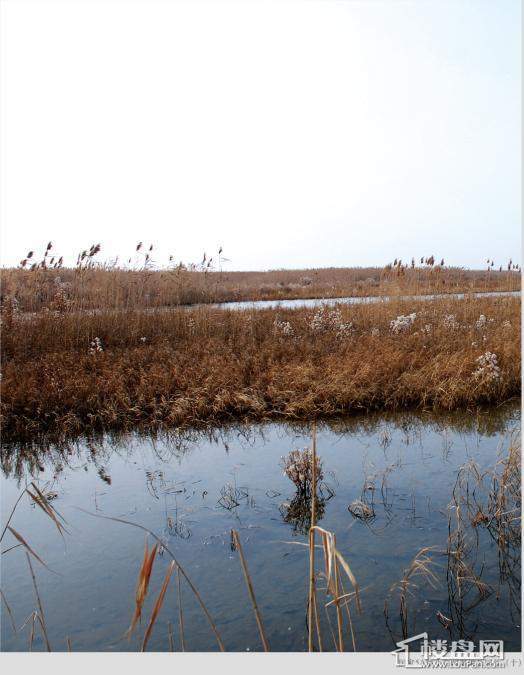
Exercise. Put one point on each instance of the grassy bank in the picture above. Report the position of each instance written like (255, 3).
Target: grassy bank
(63, 374)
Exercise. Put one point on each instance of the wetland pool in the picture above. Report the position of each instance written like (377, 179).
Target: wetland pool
(192, 489)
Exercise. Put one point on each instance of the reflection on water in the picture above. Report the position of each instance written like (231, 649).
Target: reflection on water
(393, 484)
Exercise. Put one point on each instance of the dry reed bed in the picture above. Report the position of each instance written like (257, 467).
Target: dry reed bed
(91, 285)
(63, 374)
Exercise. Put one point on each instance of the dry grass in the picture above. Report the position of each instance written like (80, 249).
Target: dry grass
(158, 604)
(298, 467)
(419, 570)
(37, 615)
(152, 279)
(65, 374)
(334, 565)
(144, 575)
(249, 583)
(485, 503)
(97, 348)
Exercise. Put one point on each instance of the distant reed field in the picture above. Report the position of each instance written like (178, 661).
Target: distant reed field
(148, 280)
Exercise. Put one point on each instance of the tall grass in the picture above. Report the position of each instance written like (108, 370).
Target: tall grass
(142, 282)
(80, 353)
(64, 373)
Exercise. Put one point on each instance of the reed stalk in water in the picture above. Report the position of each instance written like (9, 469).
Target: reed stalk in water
(312, 614)
(249, 584)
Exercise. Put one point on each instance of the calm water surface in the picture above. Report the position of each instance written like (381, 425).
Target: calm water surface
(193, 490)
(355, 300)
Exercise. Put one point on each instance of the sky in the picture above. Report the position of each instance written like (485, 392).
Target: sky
(292, 134)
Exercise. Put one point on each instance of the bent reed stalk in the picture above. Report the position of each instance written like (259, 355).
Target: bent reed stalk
(238, 546)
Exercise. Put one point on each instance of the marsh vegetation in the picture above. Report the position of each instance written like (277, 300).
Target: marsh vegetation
(68, 369)
(151, 278)
(195, 426)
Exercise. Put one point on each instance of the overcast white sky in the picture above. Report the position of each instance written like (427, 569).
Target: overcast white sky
(294, 134)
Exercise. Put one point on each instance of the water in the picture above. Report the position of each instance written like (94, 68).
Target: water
(303, 302)
(179, 488)
(355, 300)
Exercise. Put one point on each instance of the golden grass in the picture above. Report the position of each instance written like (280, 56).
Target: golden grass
(96, 347)
(158, 604)
(141, 282)
(179, 568)
(207, 366)
(144, 575)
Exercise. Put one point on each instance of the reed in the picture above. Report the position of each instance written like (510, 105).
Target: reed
(419, 571)
(144, 575)
(312, 591)
(333, 563)
(485, 501)
(41, 616)
(158, 604)
(249, 584)
(151, 279)
(8, 610)
(105, 346)
(494, 492)
(180, 612)
(207, 366)
(179, 567)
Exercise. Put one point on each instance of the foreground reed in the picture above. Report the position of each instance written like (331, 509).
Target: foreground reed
(483, 502)
(333, 564)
